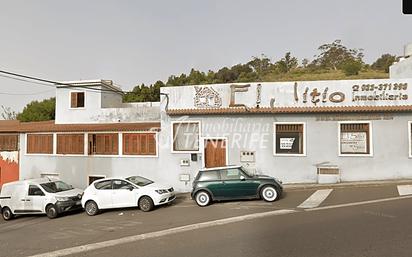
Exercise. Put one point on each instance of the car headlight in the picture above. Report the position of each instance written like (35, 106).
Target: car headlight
(62, 198)
(161, 191)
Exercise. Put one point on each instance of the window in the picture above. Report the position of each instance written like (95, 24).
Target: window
(209, 175)
(35, 190)
(186, 136)
(104, 144)
(231, 174)
(70, 144)
(9, 142)
(355, 138)
(139, 144)
(120, 184)
(40, 143)
(289, 139)
(94, 178)
(77, 99)
(103, 185)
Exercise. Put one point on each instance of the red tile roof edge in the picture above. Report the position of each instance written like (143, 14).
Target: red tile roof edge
(242, 110)
(51, 126)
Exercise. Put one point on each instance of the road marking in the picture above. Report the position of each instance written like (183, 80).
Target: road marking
(405, 189)
(130, 239)
(359, 203)
(315, 199)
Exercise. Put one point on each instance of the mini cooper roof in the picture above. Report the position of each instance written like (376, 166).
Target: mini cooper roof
(222, 167)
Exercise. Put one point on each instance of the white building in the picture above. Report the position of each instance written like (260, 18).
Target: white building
(300, 132)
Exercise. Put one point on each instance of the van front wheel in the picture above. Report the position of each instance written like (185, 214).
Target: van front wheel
(51, 211)
(6, 213)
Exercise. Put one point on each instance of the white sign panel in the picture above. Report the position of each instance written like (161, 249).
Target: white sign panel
(286, 143)
(332, 93)
(354, 142)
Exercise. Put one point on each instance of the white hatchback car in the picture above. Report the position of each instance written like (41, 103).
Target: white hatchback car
(133, 191)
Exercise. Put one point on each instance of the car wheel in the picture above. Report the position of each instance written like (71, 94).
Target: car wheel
(202, 198)
(269, 193)
(146, 204)
(91, 208)
(51, 211)
(6, 213)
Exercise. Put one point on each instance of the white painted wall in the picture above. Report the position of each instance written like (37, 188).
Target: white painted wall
(401, 69)
(102, 107)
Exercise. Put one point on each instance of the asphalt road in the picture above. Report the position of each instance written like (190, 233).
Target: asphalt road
(370, 230)
(342, 231)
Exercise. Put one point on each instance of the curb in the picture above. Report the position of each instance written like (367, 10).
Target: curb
(309, 186)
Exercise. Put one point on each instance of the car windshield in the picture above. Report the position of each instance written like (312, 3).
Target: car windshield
(140, 181)
(56, 186)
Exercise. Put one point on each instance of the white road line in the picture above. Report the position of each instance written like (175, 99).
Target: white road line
(130, 239)
(315, 199)
(359, 203)
(405, 190)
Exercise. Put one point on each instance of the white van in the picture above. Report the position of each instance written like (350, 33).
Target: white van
(38, 196)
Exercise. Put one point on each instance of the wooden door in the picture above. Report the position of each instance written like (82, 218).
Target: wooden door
(215, 153)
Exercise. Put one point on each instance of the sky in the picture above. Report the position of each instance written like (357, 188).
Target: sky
(134, 42)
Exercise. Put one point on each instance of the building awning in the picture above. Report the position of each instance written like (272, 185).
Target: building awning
(50, 126)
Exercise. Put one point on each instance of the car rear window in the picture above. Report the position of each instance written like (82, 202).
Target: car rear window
(209, 175)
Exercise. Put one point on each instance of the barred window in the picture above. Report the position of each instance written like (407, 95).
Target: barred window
(289, 139)
(355, 138)
(103, 144)
(9, 142)
(139, 144)
(70, 143)
(40, 143)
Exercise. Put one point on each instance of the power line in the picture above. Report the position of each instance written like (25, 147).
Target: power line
(64, 85)
(47, 82)
(38, 93)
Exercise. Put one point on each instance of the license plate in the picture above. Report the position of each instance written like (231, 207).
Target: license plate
(78, 202)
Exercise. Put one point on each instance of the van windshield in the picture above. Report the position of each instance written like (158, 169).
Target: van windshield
(56, 186)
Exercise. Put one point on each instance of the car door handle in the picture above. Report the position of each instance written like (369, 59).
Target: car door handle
(23, 200)
(27, 200)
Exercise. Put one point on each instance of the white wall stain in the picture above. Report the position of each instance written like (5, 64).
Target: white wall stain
(10, 156)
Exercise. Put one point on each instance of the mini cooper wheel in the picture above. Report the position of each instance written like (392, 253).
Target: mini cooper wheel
(146, 204)
(269, 193)
(91, 208)
(202, 198)
(51, 211)
(7, 214)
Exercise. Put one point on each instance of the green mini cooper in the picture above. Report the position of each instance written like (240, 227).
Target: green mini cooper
(231, 183)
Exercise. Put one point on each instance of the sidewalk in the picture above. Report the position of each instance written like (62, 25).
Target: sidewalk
(307, 186)
(373, 183)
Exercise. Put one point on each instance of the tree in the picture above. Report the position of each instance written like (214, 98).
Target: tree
(383, 62)
(261, 65)
(287, 63)
(352, 67)
(335, 55)
(38, 111)
(8, 113)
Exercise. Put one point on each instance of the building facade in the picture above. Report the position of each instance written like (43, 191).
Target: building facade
(300, 132)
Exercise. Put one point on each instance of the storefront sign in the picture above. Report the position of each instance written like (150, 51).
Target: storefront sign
(313, 94)
(353, 142)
